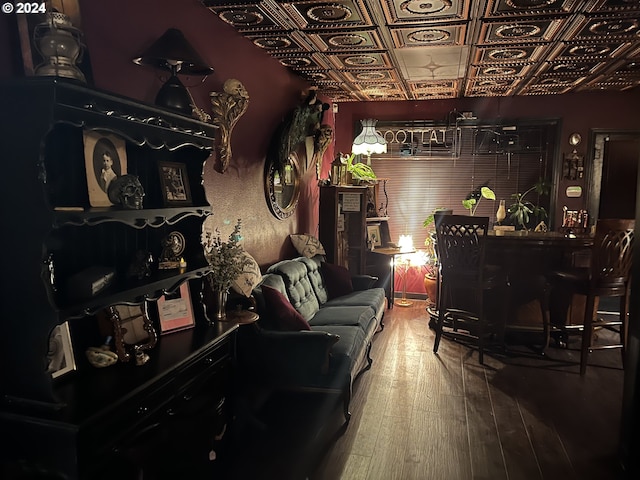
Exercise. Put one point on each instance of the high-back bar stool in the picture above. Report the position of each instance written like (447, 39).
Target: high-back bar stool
(464, 281)
(607, 276)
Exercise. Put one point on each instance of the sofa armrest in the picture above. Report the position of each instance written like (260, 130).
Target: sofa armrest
(287, 355)
(363, 282)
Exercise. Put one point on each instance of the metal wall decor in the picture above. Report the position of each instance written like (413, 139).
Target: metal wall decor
(409, 47)
(227, 108)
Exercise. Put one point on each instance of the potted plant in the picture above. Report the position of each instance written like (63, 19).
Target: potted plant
(522, 210)
(227, 263)
(360, 172)
(473, 199)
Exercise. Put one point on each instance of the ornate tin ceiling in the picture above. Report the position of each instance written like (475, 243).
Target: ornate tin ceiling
(364, 50)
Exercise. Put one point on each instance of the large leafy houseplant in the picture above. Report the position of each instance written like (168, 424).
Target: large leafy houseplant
(522, 209)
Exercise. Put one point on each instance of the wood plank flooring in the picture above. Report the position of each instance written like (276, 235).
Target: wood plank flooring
(420, 415)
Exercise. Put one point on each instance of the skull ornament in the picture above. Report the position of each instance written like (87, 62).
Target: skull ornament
(235, 87)
(127, 192)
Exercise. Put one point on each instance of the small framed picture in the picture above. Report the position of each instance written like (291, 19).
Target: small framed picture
(60, 358)
(175, 183)
(175, 310)
(105, 157)
(373, 233)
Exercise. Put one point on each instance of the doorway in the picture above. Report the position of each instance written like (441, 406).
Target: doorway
(614, 175)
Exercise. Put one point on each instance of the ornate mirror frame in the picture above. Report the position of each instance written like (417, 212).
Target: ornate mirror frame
(275, 182)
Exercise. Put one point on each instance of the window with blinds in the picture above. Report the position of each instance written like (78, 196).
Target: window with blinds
(421, 175)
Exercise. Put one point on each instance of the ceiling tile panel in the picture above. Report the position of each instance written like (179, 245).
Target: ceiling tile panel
(418, 49)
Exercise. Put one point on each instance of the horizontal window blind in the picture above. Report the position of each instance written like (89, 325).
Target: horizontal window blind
(416, 186)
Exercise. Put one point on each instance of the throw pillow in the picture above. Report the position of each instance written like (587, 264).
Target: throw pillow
(250, 276)
(337, 280)
(284, 316)
(307, 245)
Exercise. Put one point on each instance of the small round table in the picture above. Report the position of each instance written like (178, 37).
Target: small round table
(242, 317)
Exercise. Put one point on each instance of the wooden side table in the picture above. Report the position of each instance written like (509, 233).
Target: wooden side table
(242, 317)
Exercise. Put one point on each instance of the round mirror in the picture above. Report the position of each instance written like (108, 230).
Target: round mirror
(283, 187)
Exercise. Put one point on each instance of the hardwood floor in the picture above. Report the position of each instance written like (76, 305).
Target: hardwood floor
(420, 415)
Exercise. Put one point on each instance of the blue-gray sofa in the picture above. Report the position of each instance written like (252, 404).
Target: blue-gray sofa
(333, 351)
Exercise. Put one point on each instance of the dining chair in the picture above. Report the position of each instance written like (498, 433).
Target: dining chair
(608, 275)
(465, 281)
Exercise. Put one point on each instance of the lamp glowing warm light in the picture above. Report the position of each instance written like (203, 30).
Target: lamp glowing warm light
(405, 243)
(369, 141)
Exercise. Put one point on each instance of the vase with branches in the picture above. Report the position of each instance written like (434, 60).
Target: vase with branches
(227, 263)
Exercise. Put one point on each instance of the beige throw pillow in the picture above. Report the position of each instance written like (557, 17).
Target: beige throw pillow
(307, 245)
(249, 278)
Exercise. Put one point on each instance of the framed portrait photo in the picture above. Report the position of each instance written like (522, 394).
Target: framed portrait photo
(105, 157)
(174, 183)
(175, 310)
(373, 232)
(60, 360)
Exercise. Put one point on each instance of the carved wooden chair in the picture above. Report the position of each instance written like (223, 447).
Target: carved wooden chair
(608, 275)
(464, 282)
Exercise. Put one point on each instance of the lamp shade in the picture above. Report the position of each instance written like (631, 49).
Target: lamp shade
(369, 141)
(174, 53)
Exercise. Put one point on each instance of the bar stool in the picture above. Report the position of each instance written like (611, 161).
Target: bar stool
(464, 281)
(606, 276)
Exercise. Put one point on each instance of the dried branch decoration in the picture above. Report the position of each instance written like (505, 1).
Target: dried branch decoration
(227, 108)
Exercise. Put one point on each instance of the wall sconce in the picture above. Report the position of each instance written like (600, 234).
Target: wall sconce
(173, 53)
(369, 141)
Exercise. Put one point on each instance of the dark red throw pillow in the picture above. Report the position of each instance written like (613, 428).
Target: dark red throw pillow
(282, 313)
(337, 280)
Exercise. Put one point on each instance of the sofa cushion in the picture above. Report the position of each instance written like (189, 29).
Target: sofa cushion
(315, 277)
(307, 245)
(337, 280)
(373, 297)
(353, 315)
(298, 286)
(250, 276)
(283, 315)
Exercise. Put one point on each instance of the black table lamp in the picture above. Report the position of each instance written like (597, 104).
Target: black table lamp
(172, 52)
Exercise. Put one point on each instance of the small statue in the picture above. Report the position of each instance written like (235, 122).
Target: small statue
(141, 265)
(227, 108)
(172, 248)
(127, 192)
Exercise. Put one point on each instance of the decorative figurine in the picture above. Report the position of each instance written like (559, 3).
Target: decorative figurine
(127, 192)
(227, 108)
(172, 249)
(141, 265)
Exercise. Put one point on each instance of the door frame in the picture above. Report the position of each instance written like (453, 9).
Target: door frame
(597, 140)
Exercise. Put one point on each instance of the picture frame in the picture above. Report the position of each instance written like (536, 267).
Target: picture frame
(175, 310)
(174, 183)
(60, 359)
(373, 234)
(105, 157)
(133, 331)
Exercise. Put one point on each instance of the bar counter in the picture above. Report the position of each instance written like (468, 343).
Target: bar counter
(528, 258)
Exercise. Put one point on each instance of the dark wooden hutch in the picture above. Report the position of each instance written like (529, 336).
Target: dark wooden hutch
(117, 421)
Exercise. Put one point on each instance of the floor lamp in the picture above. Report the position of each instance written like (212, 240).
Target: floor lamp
(406, 247)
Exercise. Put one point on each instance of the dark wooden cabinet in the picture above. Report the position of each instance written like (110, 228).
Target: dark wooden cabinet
(342, 229)
(117, 421)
